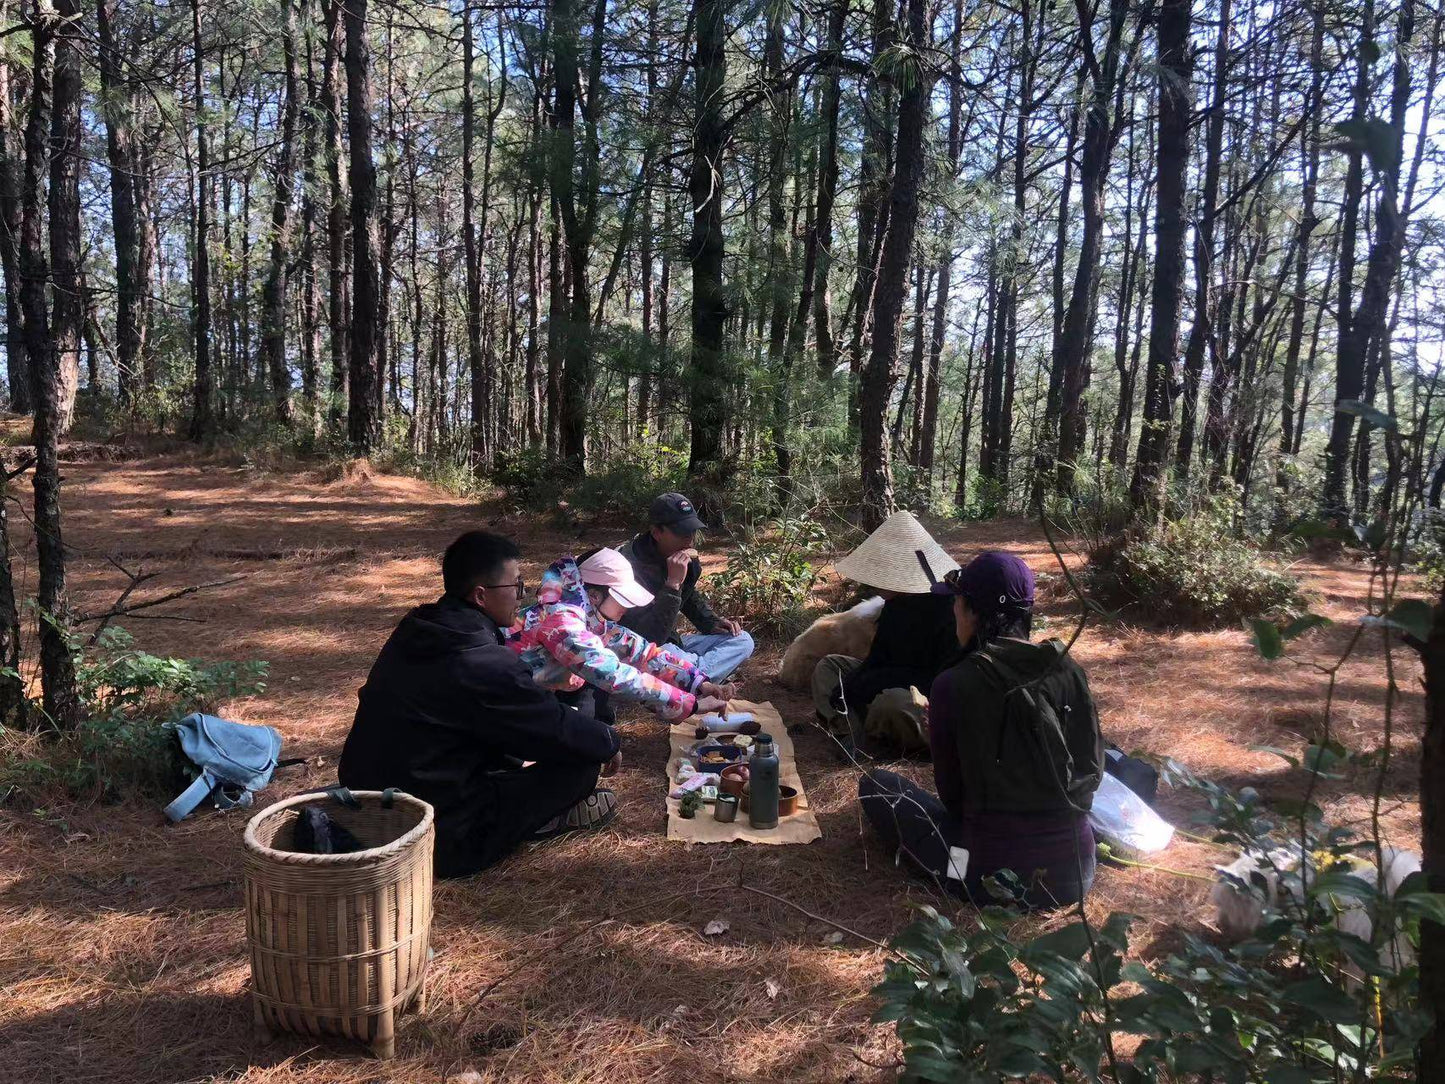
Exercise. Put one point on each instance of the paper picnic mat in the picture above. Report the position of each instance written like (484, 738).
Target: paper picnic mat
(801, 827)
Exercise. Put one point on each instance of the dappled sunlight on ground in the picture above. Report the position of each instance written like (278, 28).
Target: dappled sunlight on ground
(125, 957)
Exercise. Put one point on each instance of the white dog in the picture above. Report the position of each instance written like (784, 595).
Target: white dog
(1252, 879)
(847, 633)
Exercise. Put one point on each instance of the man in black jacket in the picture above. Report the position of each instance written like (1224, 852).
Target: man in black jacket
(452, 716)
(664, 559)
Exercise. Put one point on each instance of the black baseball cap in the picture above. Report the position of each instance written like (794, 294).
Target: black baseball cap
(992, 583)
(675, 511)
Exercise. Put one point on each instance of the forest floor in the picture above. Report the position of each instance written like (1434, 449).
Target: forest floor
(122, 940)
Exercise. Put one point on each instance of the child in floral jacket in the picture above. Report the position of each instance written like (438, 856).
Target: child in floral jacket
(570, 638)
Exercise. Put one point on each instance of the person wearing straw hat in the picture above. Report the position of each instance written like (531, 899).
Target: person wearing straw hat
(572, 641)
(1017, 754)
(879, 697)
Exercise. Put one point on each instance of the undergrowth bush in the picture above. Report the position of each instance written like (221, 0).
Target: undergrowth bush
(120, 748)
(1190, 569)
(770, 576)
(1298, 1002)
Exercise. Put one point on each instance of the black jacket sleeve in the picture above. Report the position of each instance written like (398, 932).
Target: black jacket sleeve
(530, 723)
(694, 606)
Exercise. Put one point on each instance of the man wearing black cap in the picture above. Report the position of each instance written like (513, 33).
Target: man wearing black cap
(664, 557)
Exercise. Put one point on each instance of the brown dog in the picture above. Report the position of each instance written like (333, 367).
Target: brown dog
(847, 633)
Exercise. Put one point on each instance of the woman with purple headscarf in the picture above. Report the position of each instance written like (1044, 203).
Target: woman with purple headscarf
(1017, 755)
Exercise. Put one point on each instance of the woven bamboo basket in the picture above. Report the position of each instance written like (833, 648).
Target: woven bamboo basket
(339, 941)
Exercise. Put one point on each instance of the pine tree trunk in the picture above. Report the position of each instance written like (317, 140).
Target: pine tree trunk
(877, 377)
(202, 399)
(1367, 328)
(1431, 1064)
(1072, 356)
(1310, 168)
(273, 298)
(119, 152)
(827, 195)
(310, 314)
(363, 420)
(705, 250)
(66, 140)
(1350, 350)
(779, 278)
(473, 310)
(338, 279)
(1172, 160)
(11, 172)
(56, 111)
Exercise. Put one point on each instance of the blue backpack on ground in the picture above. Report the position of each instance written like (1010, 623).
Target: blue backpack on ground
(234, 760)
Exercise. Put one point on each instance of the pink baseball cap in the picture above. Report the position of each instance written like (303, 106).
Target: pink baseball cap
(608, 568)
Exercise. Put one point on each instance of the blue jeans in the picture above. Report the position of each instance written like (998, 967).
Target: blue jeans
(719, 654)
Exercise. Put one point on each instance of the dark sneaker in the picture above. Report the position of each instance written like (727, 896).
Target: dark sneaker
(597, 810)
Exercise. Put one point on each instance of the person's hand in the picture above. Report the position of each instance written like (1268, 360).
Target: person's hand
(706, 704)
(732, 624)
(613, 766)
(727, 692)
(677, 566)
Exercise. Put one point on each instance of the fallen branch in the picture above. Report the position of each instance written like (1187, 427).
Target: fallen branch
(815, 917)
(120, 609)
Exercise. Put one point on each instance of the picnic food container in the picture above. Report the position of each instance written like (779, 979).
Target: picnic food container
(726, 809)
(787, 800)
(339, 942)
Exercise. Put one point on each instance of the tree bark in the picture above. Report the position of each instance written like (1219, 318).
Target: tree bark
(1100, 132)
(705, 249)
(338, 279)
(877, 376)
(928, 436)
(203, 391)
(1310, 169)
(273, 297)
(363, 418)
(473, 307)
(1172, 157)
(12, 167)
(116, 107)
(1350, 350)
(1366, 329)
(57, 111)
(827, 195)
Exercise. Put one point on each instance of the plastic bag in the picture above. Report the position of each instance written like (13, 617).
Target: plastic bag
(1122, 820)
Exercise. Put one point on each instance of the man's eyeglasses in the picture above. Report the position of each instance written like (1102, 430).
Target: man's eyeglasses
(520, 585)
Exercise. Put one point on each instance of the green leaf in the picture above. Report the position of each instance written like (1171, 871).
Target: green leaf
(1324, 999)
(1301, 625)
(1364, 411)
(1070, 942)
(1413, 616)
(1292, 761)
(1267, 639)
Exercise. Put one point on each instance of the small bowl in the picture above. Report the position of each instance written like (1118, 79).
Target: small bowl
(726, 809)
(787, 801)
(734, 779)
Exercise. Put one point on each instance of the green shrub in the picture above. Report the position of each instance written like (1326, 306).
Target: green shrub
(770, 575)
(1190, 570)
(1285, 1004)
(121, 748)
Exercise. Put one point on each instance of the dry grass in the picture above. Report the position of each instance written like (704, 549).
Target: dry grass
(123, 957)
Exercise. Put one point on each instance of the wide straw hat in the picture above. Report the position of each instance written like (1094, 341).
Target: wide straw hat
(888, 558)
